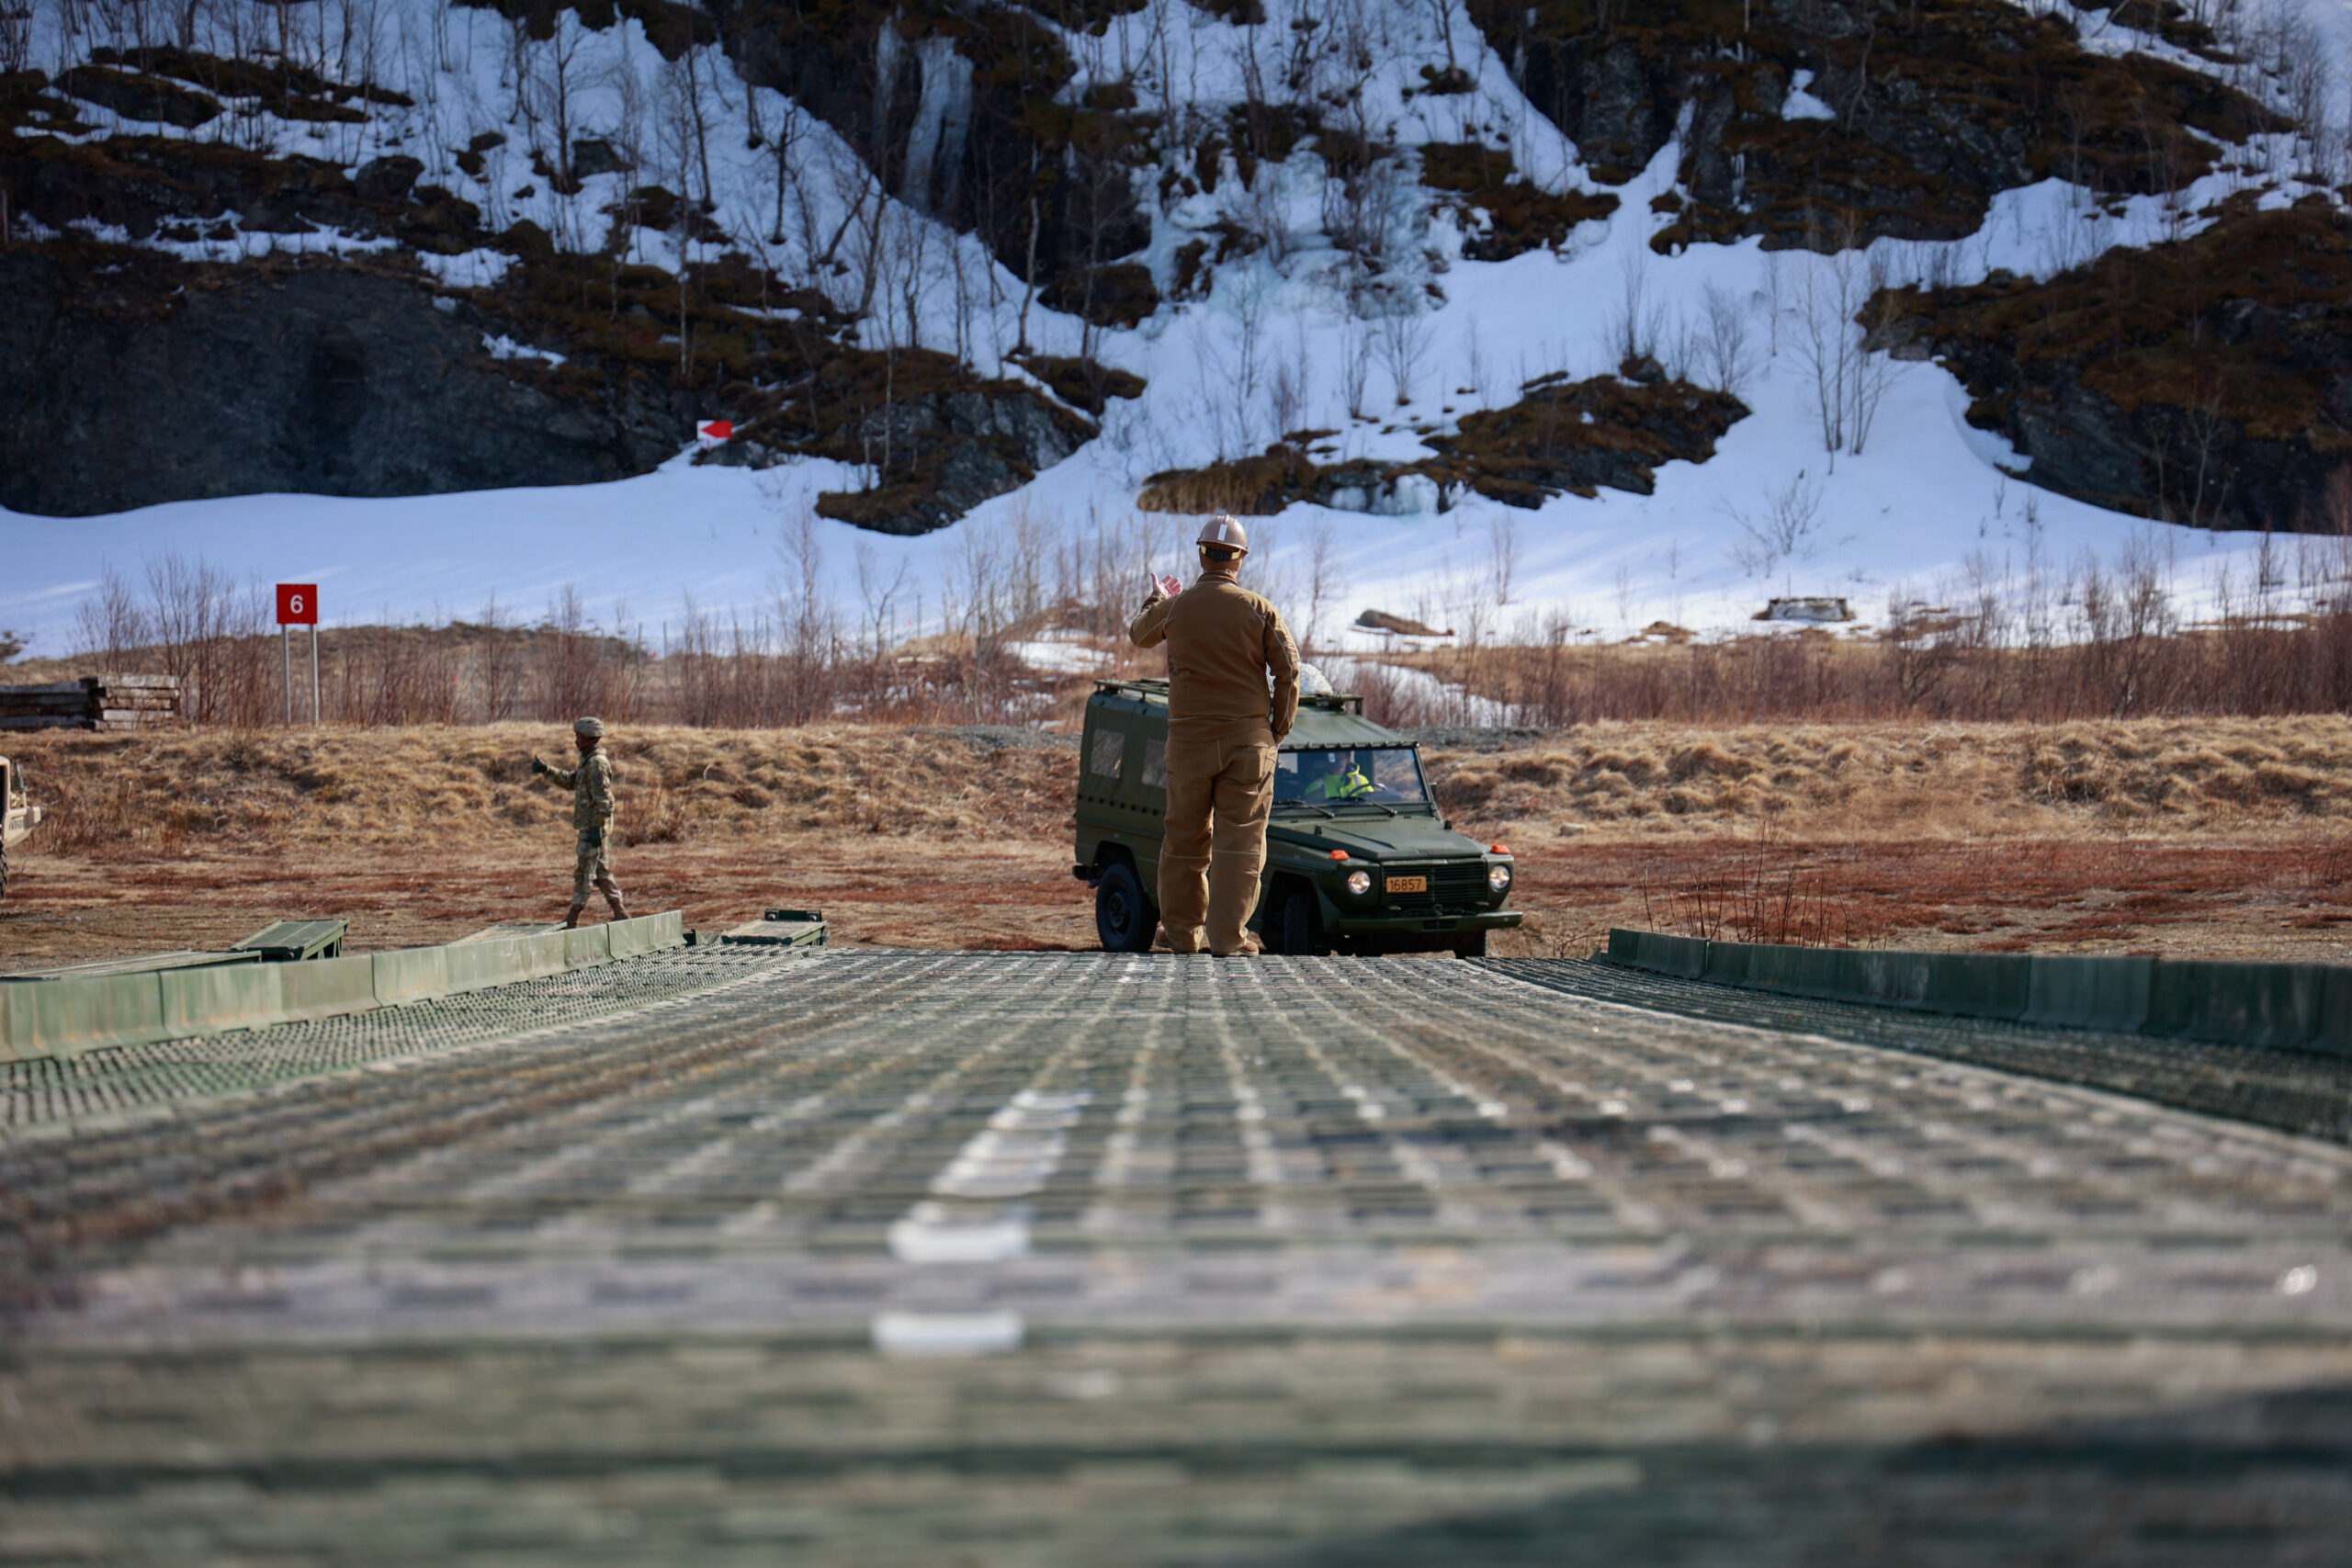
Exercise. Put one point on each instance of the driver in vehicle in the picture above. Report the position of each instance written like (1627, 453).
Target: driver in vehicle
(1344, 777)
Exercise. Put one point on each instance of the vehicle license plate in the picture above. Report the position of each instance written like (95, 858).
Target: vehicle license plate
(1408, 885)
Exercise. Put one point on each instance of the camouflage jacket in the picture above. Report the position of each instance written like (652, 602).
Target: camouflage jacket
(590, 784)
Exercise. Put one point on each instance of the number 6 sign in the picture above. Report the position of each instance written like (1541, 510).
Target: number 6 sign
(298, 605)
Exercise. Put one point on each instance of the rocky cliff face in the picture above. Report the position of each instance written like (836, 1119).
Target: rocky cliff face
(128, 378)
(1825, 122)
(957, 107)
(152, 380)
(2206, 382)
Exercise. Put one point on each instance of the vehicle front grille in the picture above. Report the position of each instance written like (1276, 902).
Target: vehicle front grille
(1453, 885)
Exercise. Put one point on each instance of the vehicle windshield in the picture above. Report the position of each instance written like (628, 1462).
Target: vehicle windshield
(1362, 775)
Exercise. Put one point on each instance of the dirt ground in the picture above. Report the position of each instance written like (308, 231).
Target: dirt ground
(960, 839)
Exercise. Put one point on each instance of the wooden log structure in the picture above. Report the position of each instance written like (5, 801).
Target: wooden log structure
(105, 702)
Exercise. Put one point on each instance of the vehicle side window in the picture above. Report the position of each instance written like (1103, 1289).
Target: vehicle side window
(1104, 755)
(1155, 764)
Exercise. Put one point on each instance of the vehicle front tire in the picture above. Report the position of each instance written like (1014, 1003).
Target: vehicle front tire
(1302, 927)
(1124, 916)
(1472, 946)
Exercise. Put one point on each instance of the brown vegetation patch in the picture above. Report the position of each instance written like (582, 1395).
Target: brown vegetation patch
(24, 103)
(1119, 295)
(135, 96)
(1576, 436)
(268, 79)
(145, 183)
(1502, 216)
(1562, 436)
(1082, 383)
(670, 27)
(1246, 487)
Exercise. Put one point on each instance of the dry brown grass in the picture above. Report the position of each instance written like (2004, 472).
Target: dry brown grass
(2215, 838)
(113, 797)
(1920, 780)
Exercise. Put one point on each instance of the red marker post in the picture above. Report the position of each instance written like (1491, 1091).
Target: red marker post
(298, 605)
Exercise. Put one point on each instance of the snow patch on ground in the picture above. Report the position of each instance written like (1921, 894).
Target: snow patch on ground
(504, 348)
(1800, 104)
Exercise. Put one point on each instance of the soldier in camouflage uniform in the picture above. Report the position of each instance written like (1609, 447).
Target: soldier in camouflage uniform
(592, 813)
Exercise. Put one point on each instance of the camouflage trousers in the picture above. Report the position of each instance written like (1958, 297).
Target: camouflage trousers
(594, 869)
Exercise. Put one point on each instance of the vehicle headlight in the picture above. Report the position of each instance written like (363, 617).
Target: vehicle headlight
(1498, 878)
(1359, 883)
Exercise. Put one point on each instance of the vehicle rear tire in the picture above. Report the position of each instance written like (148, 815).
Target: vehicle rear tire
(1124, 916)
(1302, 927)
(1473, 945)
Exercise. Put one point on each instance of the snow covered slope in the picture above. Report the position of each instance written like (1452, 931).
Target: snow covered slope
(1379, 343)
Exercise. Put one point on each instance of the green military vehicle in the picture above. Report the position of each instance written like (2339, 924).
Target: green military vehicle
(1357, 858)
(17, 815)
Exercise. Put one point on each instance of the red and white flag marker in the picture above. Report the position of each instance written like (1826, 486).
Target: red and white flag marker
(714, 433)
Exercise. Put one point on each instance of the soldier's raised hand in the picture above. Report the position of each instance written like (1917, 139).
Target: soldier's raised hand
(537, 766)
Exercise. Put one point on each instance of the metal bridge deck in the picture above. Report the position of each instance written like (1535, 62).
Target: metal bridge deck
(1041, 1259)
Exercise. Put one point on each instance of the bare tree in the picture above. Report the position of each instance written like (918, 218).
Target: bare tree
(1785, 528)
(1327, 582)
(1502, 557)
(1723, 356)
(15, 38)
(111, 622)
(499, 668)
(1355, 364)
(1403, 340)
(1848, 380)
(1288, 392)
(881, 597)
(1250, 303)
(1635, 323)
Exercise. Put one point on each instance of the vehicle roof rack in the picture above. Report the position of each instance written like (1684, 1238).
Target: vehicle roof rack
(1329, 702)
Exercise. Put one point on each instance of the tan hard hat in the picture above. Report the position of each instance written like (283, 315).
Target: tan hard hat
(1226, 531)
(594, 728)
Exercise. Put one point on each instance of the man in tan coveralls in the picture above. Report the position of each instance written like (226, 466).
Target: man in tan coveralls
(590, 784)
(1223, 728)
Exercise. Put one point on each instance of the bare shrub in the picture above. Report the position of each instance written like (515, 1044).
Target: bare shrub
(1721, 353)
(1403, 340)
(1848, 380)
(1355, 365)
(1782, 529)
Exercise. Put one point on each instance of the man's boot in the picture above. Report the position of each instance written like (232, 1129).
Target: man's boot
(571, 917)
(620, 911)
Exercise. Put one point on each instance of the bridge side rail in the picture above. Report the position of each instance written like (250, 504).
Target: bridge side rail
(65, 1018)
(2295, 1007)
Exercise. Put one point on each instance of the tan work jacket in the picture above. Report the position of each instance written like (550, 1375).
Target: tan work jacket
(1222, 639)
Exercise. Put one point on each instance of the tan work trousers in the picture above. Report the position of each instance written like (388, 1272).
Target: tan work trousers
(594, 869)
(1220, 795)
